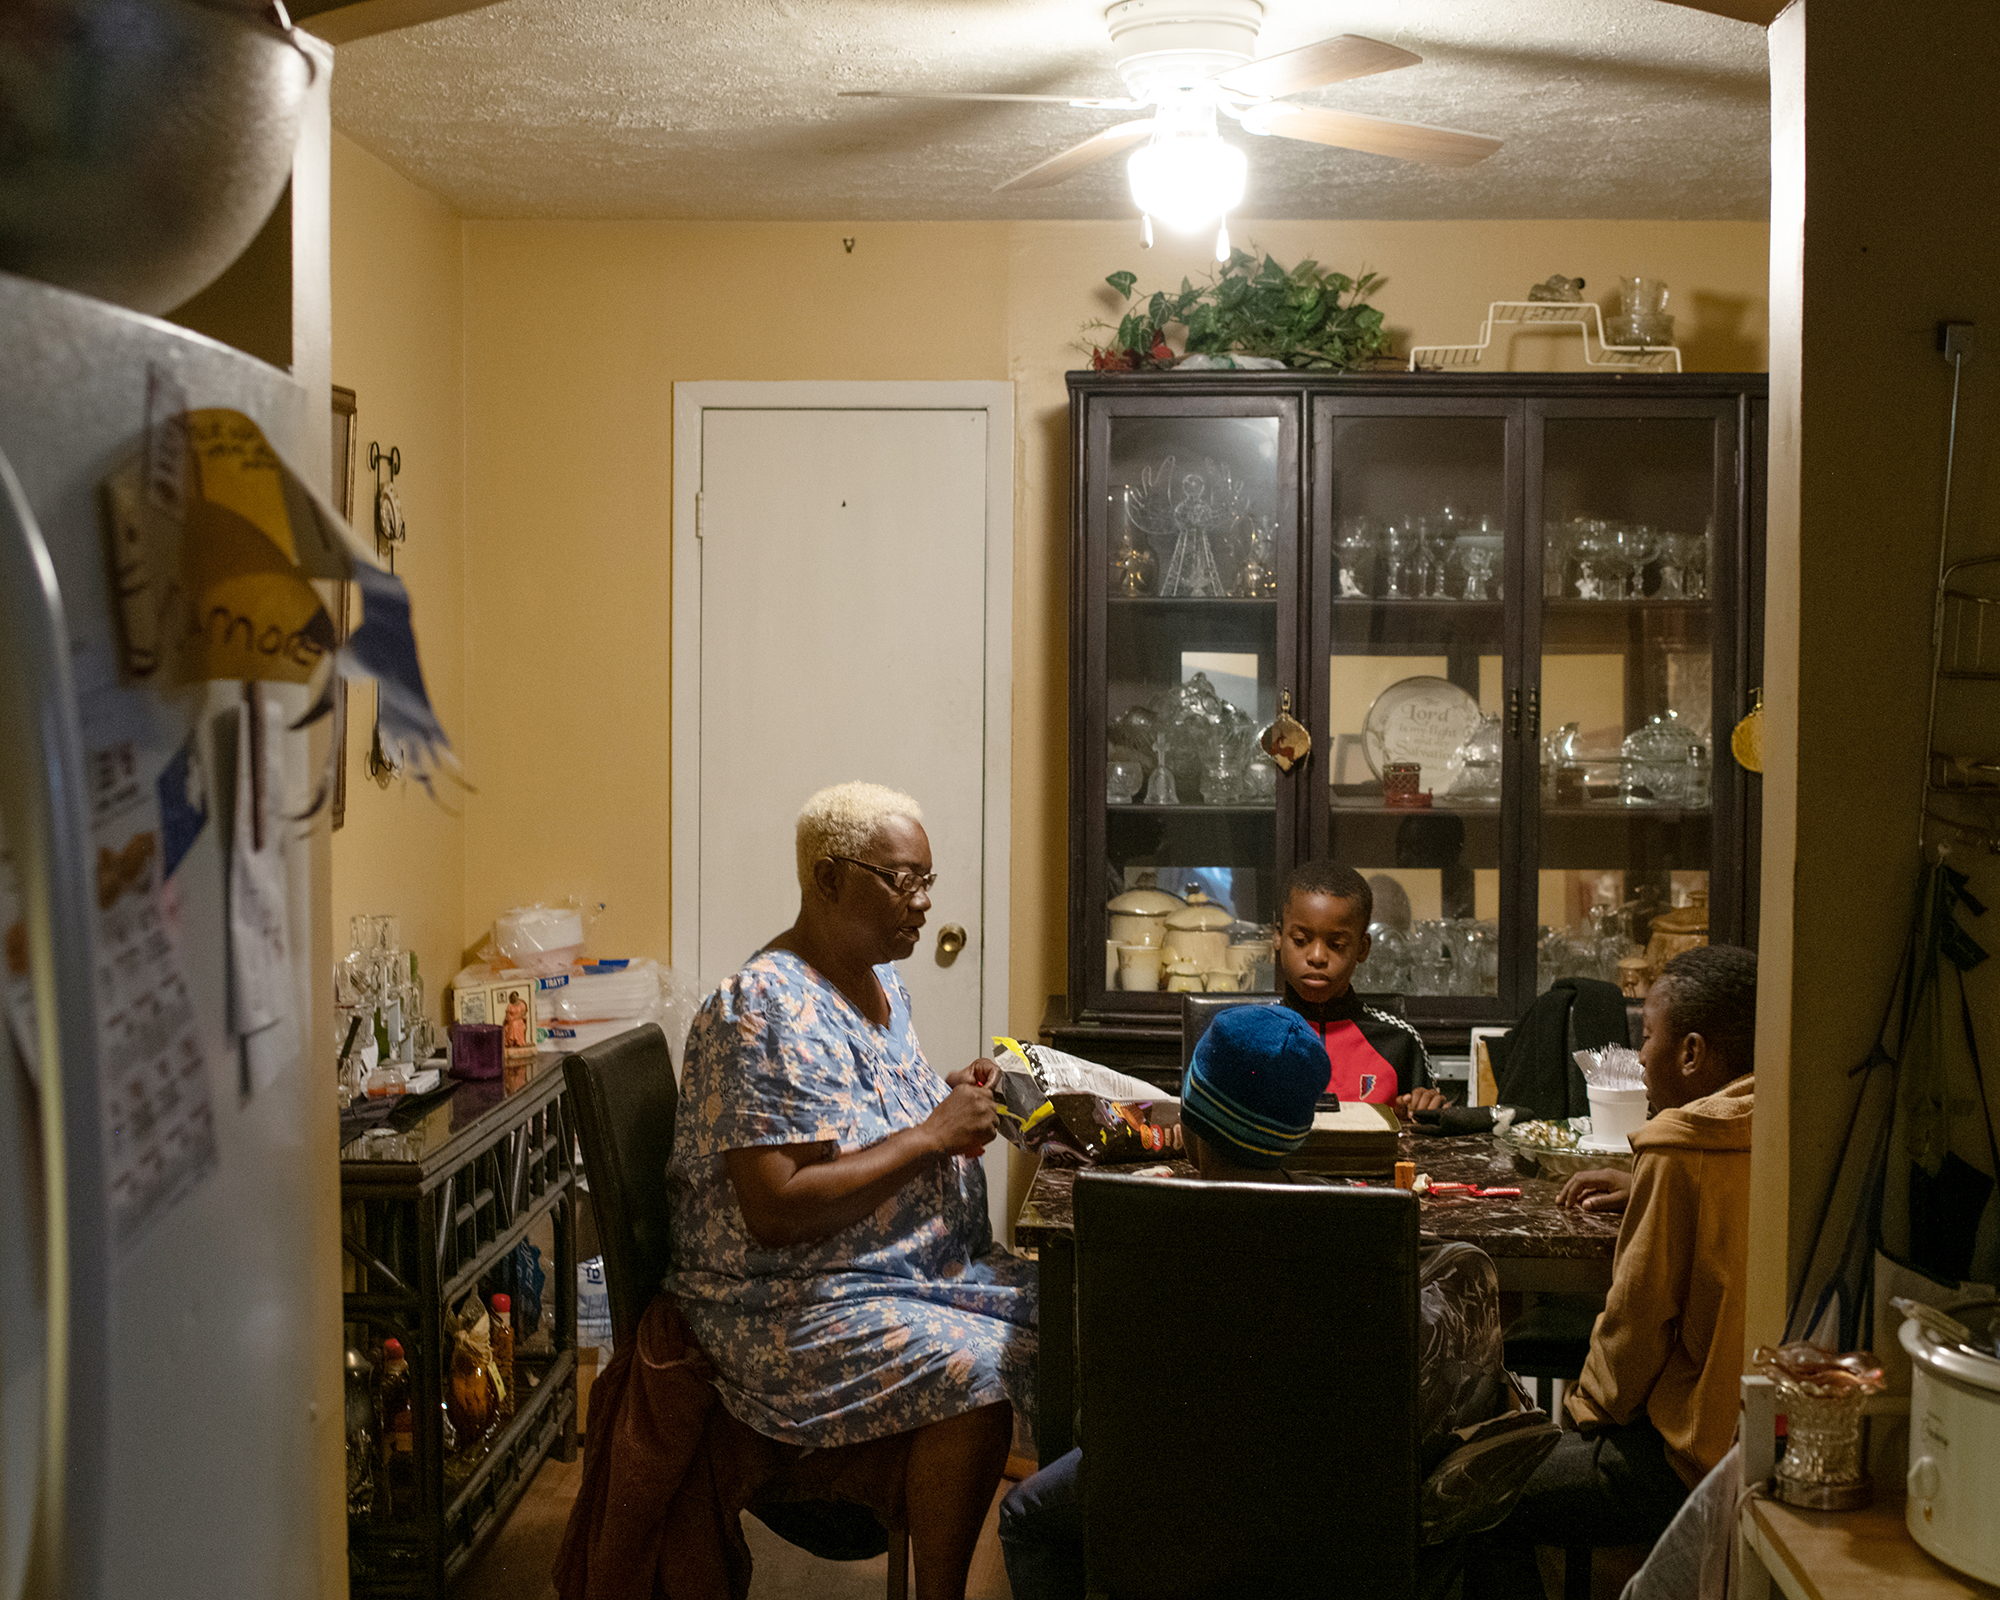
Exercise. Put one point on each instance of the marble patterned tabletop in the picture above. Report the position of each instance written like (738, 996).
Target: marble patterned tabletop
(1531, 1226)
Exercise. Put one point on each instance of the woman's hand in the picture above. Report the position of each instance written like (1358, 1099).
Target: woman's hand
(1599, 1189)
(983, 1071)
(1408, 1105)
(965, 1121)
(793, 1194)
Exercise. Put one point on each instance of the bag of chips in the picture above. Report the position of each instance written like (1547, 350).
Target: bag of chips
(1047, 1097)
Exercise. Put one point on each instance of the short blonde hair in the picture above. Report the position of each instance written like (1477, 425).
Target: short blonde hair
(841, 820)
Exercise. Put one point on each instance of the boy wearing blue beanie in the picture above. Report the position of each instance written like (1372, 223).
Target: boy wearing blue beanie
(1247, 1097)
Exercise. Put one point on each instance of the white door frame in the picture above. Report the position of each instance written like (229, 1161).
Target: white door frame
(996, 399)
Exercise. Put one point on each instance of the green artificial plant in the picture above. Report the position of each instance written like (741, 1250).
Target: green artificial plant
(1248, 307)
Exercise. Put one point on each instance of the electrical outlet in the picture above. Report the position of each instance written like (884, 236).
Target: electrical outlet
(1954, 339)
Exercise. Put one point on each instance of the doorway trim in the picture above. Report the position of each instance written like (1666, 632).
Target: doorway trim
(996, 399)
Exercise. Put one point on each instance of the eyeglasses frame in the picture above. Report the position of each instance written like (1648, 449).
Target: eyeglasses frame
(921, 883)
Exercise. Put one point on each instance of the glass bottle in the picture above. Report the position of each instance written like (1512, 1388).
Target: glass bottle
(503, 1352)
(399, 1457)
(1696, 793)
(363, 1469)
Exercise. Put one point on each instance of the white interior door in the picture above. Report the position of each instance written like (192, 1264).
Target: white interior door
(843, 626)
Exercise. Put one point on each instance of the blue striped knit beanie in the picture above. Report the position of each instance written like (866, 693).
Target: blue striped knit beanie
(1250, 1088)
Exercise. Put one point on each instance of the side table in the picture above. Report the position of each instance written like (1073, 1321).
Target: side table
(428, 1212)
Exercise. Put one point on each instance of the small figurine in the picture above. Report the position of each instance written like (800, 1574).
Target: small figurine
(1557, 287)
(1133, 568)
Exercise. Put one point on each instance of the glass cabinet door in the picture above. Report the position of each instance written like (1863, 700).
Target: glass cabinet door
(1638, 555)
(1189, 561)
(1415, 555)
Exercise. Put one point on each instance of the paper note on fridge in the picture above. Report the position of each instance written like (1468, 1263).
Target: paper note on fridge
(215, 546)
(207, 578)
(159, 1125)
(263, 1008)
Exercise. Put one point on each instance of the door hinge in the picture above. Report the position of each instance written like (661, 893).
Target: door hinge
(699, 500)
(1534, 714)
(1513, 713)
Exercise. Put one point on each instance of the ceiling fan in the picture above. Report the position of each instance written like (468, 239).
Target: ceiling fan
(1189, 64)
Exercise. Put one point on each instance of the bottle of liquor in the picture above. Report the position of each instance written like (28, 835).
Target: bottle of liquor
(502, 1336)
(399, 1457)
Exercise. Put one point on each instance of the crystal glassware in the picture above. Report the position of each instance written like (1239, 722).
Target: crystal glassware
(1191, 568)
(1638, 545)
(1122, 780)
(1399, 549)
(1557, 538)
(1255, 578)
(1655, 765)
(1597, 553)
(1160, 790)
(1477, 554)
(1673, 563)
(1694, 573)
(1356, 550)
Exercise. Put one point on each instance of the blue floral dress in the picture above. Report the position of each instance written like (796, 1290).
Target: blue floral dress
(905, 1318)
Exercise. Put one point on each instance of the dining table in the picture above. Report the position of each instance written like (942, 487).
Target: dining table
(1537, 1246)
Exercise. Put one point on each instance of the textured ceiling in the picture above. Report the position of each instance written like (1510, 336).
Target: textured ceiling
(727, 109)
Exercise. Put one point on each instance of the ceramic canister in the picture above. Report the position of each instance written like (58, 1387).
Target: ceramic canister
(1198, 934)
(1139, 916)
(1246, 953)
(1138, 967)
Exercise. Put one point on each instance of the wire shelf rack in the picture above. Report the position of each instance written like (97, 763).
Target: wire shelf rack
(1583, 315)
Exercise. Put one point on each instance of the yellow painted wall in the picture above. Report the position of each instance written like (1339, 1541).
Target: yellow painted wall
(574, 335)
(398, 343)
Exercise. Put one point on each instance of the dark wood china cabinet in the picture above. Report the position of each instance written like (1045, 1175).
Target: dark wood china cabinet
(1518, 616)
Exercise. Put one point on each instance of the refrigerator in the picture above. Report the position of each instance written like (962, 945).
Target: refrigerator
(169, 1316)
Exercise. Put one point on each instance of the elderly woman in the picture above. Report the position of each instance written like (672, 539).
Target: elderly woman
(832, 1248)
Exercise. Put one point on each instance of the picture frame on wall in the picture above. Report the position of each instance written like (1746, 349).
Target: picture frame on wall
(345, 450)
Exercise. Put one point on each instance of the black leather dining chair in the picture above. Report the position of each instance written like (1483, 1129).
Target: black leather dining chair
(1247, 1358)
(623, 1101)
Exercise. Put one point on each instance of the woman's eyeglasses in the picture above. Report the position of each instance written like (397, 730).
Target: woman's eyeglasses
(902, 882)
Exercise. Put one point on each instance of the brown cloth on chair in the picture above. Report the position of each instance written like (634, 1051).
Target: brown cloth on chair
(668, 1472)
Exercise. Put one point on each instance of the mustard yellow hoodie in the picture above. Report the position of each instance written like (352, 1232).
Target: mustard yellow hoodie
(1670, 1341)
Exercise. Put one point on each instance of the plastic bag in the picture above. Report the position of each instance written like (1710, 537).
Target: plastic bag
(1049, 1097)
(540, 939)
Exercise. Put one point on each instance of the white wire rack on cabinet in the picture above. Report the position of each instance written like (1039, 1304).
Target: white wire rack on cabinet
(1583, 315)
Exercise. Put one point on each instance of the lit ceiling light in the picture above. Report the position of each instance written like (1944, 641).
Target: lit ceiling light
(1187, 177)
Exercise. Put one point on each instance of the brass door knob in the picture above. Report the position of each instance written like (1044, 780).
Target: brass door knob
(951, 940)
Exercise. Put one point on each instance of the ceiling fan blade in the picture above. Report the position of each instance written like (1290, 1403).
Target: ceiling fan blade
(1334, 60)
(1351, 130)
(957, 94)
(1120, 136)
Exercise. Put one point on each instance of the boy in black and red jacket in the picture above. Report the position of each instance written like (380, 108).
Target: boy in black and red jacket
(1372, 1055)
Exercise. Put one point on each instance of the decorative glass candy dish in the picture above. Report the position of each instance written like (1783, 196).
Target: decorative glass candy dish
(1664, 765)
(1820, 1395)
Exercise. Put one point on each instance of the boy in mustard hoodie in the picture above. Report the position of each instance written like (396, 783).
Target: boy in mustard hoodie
(1656, 1405)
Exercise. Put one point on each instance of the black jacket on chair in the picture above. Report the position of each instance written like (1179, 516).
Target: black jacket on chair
(1534, 1065)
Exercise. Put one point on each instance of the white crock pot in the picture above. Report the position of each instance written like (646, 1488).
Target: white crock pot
(1954, 1478)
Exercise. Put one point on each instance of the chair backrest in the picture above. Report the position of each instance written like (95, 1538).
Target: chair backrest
(1199, 1010)
(623, 1099)
(1247, 1360)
